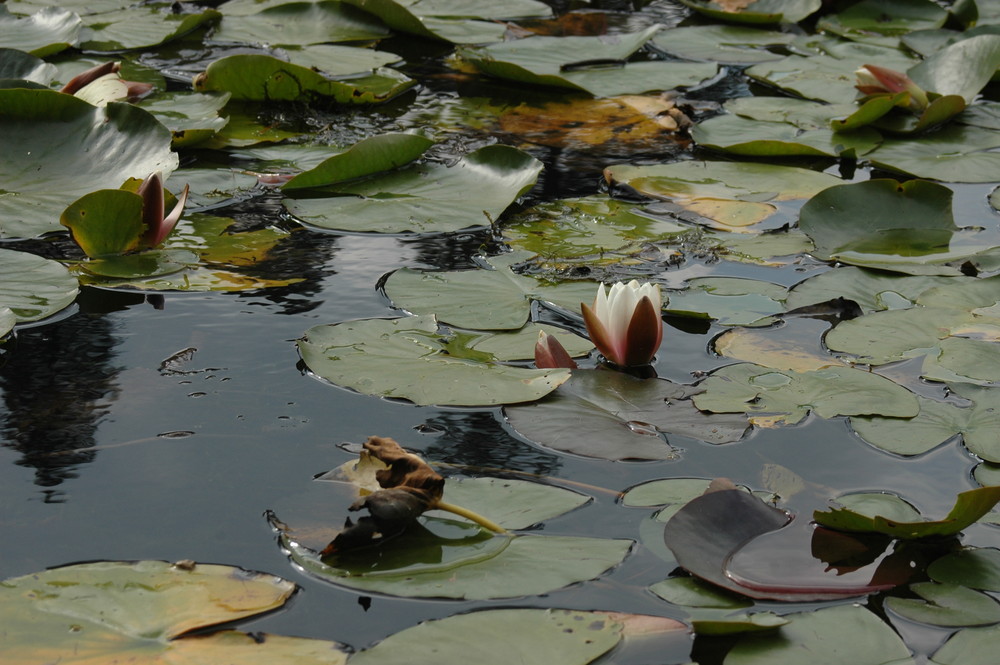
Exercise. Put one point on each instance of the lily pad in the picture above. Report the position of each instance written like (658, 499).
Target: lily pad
(785, 396)
(730, 301)
(428, 198)
(873, 291)
(382, 152)
(970, 646)
(725, 44)
(58, 148)
(405, 358)
(18, 67)
(191, 117)
(520, 344)
(890, 515)
(256, 77)
(954, 153)
(48, 31)
(566, 62)
(946, 605)
(975, 567)
(731, 195)
(962, 68)
(298, 24)
(755, 11)
(143, 611)
(32, 287)
(938, 422)
(140, 27)
(449, 559)
(494, 299)
(795, 344)
(690, 592)
(884, 17)
(828, 636)
(451, 21)
(544, 637)
(615, 416)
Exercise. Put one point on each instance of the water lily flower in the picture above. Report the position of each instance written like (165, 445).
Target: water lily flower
(875, 80)
(158, 226)
(624, 323)
(551, 354)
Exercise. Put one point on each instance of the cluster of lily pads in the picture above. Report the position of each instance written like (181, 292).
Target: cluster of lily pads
(899, 334)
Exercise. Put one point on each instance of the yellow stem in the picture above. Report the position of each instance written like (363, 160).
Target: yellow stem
(469, 515)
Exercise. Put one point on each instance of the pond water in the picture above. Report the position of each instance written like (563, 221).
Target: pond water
(166, 425)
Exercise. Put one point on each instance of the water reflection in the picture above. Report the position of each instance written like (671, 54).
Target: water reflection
(57, 382)
(477, 440)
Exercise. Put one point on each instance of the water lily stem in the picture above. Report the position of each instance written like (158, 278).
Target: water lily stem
(469, 515)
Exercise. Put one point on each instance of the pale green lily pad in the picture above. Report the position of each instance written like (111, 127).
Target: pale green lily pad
(730, 195)
(544, 637)
(7, 321)
(520, 345)
(731, 301)
(757, 622)
(787, 396)
(191, 117)
(447, 559)
(955, 153)
(890, 515)
(244, 128)
(946, 605)
(452, 21)
(772, 248)
(17, 66)
(48, 31)
(382, 152)
(405, 358)
(725, 44)
(691, 592)
(57, 148)
(974, 567)
(970, 646)
(743, 136)
(299, 24)
(615, 416)
(513, 504)
(32, 287)
(880, 218)
(427, 198)
(591, 229)
(758, 11)
(884, 17)
(549, 61)
(938, 422)
(872, 291)
(494, 299)
(212, 186)
(828, 636)
(962, 68)
(140, 27)
(256, 77)
(141, 611)
(829, 77)
(671, 494)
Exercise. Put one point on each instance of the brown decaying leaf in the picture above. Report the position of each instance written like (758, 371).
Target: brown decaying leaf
(409, 487)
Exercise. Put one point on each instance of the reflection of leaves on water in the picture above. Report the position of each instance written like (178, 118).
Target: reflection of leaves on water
(55, 391)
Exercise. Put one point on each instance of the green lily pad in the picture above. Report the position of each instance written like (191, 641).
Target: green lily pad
(32, 287)
(18, 67)
(970, 646)
(954, 153)
(452, 21)
(520, 344)
(298, 24)
(884, 17)
(544, 637)
(7, 321)
(725, 44)
(449, 559)
(495, 299)
(562, 62)
(828, 636)
(758, 11)
(615, 416)
(191, 117)
(730, 301)
(410, 354)
(938, 422)
(946, 605)
(245, 128)
(962, 69)
(256, 77)
(427, 198)
(48, 31)
(670, 493)
(106, 222)
(213, 186)
(975, 567)
(882, 217)
(872, 291)
(143, 611)
(757, 622)
(382, 152)
(786, 396)
(772, 248)
(58, 148)
(829, 77)
(890, 515)
(690, 592)
(140, 27)
(731, 195)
